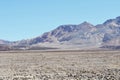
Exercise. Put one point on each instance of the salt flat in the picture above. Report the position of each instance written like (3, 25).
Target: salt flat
(60, 65)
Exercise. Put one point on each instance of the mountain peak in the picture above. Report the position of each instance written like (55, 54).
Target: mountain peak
(86, 23)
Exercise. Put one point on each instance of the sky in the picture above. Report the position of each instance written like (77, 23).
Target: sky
(25, 19)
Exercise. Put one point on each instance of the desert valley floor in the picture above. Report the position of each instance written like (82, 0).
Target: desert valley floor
(60, 65)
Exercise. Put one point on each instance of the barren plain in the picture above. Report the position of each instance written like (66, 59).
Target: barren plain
(60, 65)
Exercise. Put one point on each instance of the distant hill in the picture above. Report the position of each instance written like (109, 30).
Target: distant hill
(81, 36)
(4, 42)
(4, 45)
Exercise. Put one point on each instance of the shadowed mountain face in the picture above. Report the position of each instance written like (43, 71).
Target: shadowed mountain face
(84, 35)
(111, 31)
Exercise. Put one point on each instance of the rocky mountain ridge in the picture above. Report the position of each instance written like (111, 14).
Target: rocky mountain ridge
(84, 35)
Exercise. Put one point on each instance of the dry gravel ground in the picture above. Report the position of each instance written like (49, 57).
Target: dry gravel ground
(60, 65)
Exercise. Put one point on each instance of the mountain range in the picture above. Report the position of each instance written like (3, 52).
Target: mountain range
(81, 36)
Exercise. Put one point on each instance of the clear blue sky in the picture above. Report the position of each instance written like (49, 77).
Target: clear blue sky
(22, 19)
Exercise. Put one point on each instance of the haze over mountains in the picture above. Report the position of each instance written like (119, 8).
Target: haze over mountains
(81, 36)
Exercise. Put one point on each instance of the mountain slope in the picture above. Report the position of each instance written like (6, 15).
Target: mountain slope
(111, 32)
(84, 35)
(72, 35)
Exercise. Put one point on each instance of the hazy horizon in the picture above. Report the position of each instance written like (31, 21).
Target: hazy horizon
(26, 19)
